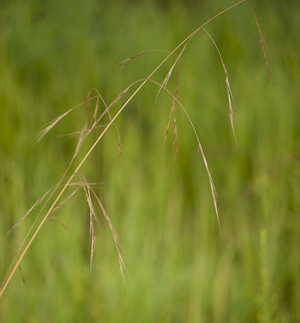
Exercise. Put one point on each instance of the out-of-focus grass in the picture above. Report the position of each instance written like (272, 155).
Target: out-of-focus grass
(181, 269)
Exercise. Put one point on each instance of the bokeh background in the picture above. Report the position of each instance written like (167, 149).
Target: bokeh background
(181, 269)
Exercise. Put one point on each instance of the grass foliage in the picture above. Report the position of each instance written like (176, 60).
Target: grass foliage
(146, 175)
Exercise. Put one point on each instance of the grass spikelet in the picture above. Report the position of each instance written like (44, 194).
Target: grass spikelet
(64, 201)
(27, 213)
(20, 270)
(228, 88)
(173, 107)
(173, 113)
(115, 237)
(59, 222)
(211, 183)
(87, 189)
(54, 122)
(166, 79)
(128, 60)
(263, 46)
(175, 140)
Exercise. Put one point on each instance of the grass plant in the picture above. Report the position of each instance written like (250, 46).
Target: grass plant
(96, 123)
(160, 208)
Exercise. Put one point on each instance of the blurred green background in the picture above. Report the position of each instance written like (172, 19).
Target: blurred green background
(181, 269)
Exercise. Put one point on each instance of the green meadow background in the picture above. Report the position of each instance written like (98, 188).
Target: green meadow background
(180, 268)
